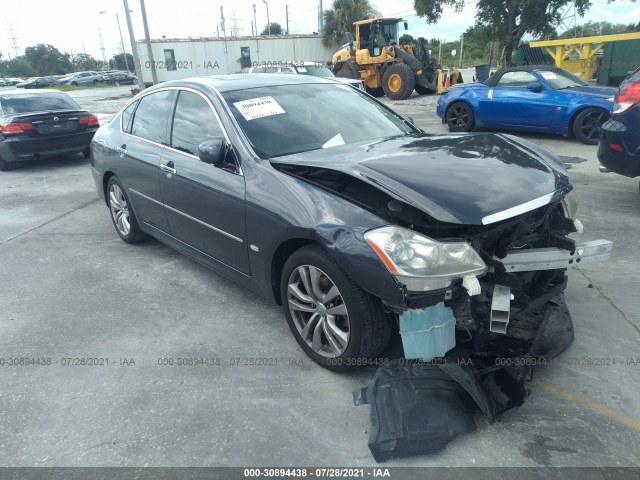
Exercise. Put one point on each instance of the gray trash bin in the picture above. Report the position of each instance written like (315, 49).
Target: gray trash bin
(482, 72)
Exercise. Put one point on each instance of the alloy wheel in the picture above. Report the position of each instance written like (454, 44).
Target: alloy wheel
(592, 123)
(458, 116)
(318, 311)
(119, 210)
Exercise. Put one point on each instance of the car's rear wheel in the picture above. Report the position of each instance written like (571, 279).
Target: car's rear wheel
(337, 324)
(459, 117)
(588, 124)
(398, 81)
(122, 215)
(6, 166)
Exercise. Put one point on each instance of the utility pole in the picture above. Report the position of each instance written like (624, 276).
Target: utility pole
(104, 55)
(14, 41)
(134, 50)
(440, 51)
(254, 19)
(124, 52)
(461, 48)
(268, 21)
(224, 32)
(321, 24)
(147, 40)
(286, 9)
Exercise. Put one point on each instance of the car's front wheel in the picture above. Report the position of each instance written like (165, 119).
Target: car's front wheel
(337, 324)
(588, 124)
(459, 117)
(122, 215)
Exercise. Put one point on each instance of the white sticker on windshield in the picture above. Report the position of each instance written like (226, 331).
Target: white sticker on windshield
(334, 142)
(548, 75)
(258, 108)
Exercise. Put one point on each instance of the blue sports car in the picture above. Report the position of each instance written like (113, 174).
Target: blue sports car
(536, 98)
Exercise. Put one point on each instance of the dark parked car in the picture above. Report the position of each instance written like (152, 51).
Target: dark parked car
(329, 203)
(40, 125)
(121, 78)
(535, 98)
(619, 149)
(36, 82)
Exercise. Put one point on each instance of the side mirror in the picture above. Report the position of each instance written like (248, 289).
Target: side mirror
(535, 87)
(213, 151)
(406, 26)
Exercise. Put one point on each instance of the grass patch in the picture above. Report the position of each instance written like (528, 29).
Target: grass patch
(69, 88)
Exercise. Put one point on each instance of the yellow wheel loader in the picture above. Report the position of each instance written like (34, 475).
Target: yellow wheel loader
(385, 67)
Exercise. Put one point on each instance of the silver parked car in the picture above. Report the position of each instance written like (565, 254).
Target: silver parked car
(82, 78)
(315, 69)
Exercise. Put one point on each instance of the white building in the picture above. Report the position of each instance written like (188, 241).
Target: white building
(196, 56)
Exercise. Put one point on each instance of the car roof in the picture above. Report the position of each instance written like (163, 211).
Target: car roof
(243, 81)
(493, 79)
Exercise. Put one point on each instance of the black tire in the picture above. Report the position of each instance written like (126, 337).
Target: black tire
(86, 153)
(375, 92)
(6, 166)
(347, 70)
(74, 84)
(459, 117)
(133, 234)
(420, 90)
(398, 81)
(588, 123)
(367, 327)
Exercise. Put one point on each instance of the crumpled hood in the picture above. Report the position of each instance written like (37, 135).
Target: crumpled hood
(456, 178)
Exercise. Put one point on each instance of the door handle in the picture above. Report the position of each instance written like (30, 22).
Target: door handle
(122, 150)
(168, 167)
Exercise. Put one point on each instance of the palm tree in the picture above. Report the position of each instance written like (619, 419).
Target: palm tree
(339, 19)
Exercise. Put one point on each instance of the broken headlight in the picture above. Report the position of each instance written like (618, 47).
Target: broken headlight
(421, 263)
(571, 205)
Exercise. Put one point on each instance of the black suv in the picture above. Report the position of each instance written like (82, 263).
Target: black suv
(619, 149)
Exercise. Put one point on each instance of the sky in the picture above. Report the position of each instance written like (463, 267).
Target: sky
(75, 26)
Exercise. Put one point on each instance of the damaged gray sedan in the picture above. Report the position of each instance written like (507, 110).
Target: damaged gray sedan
(359, 224)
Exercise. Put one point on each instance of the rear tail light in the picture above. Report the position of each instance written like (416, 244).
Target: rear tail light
(615, 146)
(89, 120)
(629, 96)
(15, 128)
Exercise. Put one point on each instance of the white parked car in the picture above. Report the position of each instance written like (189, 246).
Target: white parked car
(316, 69)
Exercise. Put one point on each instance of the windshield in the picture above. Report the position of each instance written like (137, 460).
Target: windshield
(289, 119)
(316, 71)
(560, 79)
(36, 103)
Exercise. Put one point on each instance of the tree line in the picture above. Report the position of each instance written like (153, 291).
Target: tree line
(44, 59)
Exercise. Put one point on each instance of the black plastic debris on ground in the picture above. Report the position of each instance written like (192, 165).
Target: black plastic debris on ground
(415, 408)
(419, 407)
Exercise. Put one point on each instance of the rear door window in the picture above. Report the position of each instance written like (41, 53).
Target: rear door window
(150, 119)
(127, 115)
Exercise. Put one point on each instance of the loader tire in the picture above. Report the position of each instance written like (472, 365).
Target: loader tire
(375, 92)
(398, 81)
(347, 70)
(420, 90)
